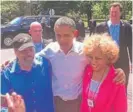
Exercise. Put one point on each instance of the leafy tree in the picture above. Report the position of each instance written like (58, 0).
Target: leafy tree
(60, 7)
(11, 9)
(86, 9)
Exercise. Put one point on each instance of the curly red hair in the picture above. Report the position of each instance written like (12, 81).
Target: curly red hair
(108, 47)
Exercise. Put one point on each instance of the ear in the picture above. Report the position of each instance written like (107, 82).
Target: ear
(29, 31)
(76, 33)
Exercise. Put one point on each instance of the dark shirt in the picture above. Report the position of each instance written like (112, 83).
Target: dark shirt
(34, 86)
(92, 23)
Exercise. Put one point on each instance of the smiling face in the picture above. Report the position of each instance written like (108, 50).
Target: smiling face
(101, 51)
(115, 14)
(98, 61)
(26, 56)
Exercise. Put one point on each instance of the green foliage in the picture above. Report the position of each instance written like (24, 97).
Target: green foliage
(11, 9)
(99, 9)
(127, 9)
(60, 7)
(97, 12)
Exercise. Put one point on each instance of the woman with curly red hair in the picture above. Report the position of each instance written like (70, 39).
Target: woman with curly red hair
(100, 93)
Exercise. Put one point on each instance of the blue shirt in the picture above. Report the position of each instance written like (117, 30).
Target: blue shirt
(93, 89)
(114, 31)
(94, 86)
(35, 86)
(39, 46)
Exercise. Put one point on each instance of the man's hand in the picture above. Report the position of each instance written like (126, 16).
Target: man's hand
(15, 103)
(5, 64)
(120, 76)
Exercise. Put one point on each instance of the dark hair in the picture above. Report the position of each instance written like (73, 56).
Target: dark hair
(65, 21)
(115, 4)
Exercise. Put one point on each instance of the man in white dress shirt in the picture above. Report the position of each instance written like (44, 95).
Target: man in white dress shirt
(68, 64)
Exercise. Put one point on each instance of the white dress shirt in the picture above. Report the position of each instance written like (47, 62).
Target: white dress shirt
(67, 69)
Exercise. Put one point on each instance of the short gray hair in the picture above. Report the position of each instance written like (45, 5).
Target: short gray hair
(65, 21)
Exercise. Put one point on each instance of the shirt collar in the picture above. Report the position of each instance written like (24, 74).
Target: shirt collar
(73, 49)
(16, 67)
(110, 23)
(38, 43)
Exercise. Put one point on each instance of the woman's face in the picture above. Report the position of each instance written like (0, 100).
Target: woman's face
(98, 61)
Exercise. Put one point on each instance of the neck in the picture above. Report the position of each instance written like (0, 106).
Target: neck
(115, 22)
(35, 42)
(66, 50)
(98, 75)
(26, 68)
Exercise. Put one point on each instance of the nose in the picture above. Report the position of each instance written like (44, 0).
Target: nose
(38, 33)
(113, 13)
(61, 39)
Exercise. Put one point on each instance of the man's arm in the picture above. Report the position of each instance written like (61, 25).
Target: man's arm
(120, 76)
(46, 52)
(49, 99)
(6, 64)
(101, 28)
(98, 29)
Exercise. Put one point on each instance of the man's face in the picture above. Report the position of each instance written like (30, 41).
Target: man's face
(36, 33)
(26, 56)
(115, 13)
(64, 35)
